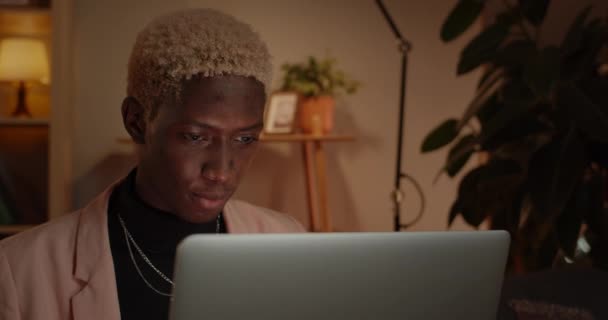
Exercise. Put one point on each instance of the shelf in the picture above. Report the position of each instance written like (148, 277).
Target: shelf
(23, 122)
(8, 229)
(296, 137)
(25, 9)
(26, 5)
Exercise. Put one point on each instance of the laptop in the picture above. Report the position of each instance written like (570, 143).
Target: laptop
(418, 275)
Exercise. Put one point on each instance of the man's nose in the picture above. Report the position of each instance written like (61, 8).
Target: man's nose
(219, 163)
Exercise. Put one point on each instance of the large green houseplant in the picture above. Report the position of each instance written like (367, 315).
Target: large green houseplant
(541, 114)
(317, 81)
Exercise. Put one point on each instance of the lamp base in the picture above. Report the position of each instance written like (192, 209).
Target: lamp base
(21, 109)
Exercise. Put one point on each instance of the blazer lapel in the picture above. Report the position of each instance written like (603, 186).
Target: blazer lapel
(93, 264)
(234, 221)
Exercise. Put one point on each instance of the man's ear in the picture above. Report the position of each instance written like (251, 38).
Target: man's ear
(133, 118)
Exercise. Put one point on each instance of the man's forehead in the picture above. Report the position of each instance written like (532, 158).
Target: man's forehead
(227, 85)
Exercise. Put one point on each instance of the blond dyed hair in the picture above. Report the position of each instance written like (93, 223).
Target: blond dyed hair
(176, 47)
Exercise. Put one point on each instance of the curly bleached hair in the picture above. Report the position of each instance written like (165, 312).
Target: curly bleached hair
(176, 47)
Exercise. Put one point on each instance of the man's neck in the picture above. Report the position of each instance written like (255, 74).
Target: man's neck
(144, 189)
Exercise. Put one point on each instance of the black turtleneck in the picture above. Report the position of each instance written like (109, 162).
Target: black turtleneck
(157, 233)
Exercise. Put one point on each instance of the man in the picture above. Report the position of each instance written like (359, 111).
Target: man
(197, 85)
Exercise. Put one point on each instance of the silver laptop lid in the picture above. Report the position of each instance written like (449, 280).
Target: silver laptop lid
(427, 275)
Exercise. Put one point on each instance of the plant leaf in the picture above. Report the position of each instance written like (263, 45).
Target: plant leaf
(509, 217)
(574, 35)
(460, 19)
(442, 135)
(599, 153)
(315, 77)
(585, 61)
(483, 95)
(542, 71)
(515, 54)
(508, 17)
(596, 89)
(534, 10)
(467, 195)
(454, 211)
(595, 216)
(540, 174)
(545, 254)
(483, 47)
(490, 108)
(516, 105)
(487, 73)
(484, 190)
(570, 166)
(589, 117)
(555, 170)
(460, 154)
(515, 133)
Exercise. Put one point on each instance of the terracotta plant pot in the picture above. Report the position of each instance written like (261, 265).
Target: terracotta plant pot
(316, 114)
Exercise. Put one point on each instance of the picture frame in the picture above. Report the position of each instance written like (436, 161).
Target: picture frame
(281, 112)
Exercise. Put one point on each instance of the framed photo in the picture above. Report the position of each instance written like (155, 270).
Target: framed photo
(281, 112)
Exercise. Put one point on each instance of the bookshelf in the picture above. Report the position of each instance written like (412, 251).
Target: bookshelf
(25, 142)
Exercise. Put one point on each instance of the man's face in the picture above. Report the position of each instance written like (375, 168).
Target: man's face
(195, 154)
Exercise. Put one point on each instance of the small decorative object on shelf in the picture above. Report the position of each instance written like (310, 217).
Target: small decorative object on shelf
(281, 112)
(317, 82)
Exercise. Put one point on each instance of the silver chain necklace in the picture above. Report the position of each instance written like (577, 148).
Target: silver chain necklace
(129, 239)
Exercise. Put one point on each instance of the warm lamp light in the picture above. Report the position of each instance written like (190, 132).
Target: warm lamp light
(22, 60)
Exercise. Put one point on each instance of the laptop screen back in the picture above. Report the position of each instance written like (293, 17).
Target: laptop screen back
(427, 275)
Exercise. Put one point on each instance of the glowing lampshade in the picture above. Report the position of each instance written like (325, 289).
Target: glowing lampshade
(23, 59)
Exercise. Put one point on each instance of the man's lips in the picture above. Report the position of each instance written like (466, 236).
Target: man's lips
(209, 200)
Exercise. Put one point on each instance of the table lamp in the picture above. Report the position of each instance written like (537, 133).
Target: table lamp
(23, 59)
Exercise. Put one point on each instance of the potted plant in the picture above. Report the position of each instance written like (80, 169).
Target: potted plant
(541, 116)
(317, 82)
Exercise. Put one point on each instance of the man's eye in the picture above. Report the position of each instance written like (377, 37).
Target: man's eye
(193, 137)
(246, 139)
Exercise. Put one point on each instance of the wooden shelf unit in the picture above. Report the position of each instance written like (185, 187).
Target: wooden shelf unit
(24, 122)
(25, 142)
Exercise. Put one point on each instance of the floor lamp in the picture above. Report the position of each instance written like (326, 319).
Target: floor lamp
(397, 196)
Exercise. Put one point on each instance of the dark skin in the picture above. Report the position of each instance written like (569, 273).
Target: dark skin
(194, 155)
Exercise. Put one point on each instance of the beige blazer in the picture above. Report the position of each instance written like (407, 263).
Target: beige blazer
(64, 269)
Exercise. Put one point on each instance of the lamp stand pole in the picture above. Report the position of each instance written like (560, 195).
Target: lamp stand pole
(21, 109)
(404, 47)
